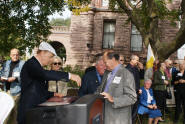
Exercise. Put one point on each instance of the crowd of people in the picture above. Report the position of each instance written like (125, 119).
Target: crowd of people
(149, 99)
(110, 76)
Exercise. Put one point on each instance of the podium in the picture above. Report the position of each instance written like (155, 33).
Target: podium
(88, 109)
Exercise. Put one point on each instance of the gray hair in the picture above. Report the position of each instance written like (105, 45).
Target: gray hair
(168, 61)
(98, 57)
(58, 58)
(133, 57)
(148, 80)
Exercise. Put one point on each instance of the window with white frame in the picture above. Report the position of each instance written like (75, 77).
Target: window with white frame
(105, 3)
(109, 34)
(136, 39)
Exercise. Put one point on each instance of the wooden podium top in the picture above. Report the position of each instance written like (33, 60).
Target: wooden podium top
(59, 101)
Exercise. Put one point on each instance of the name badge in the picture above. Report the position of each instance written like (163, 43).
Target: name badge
(163, 77)
(16, 74)
(179, 74)
(117, 80)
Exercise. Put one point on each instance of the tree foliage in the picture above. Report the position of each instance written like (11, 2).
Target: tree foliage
(24, 23)
(146, 15)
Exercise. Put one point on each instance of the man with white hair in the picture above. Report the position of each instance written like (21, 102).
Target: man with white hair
(34, 80)
(92, 79)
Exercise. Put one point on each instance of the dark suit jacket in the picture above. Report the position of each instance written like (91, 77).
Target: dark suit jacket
(89, 83)
(34, 86)
(138, 74)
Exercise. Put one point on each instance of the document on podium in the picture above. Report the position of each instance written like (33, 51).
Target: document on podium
(54, 101)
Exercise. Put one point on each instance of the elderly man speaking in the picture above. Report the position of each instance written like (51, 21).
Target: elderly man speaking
(34, 79)
(118, 88)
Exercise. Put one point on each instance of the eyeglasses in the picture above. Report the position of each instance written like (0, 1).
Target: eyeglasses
(121, 60)
(175, 63)
(57, 63)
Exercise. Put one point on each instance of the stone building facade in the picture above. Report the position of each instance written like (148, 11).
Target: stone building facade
(89, 33)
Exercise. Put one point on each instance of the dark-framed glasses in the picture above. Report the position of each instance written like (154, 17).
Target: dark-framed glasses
(57, 63)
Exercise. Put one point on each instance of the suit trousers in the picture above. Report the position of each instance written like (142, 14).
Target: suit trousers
(134, 111)
(179, 101)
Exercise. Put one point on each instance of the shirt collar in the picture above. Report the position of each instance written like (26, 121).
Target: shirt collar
(116, 69)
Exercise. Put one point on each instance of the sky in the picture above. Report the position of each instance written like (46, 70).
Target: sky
(65, 14)
(181, 52)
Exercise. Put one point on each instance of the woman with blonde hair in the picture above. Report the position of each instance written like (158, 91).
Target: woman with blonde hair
(57, 63)
(57, 86)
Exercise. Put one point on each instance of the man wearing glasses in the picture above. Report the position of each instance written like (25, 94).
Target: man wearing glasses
(10, 73)
(122, 60)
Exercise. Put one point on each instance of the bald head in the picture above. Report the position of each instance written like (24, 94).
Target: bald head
(14, 54)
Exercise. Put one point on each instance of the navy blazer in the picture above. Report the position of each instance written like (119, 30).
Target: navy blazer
(138, 75)
(89, 83)
(34, 86)
(143, 105)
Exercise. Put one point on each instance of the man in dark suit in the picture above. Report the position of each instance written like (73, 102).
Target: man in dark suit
(136, 68)
(92, 79)
(34, 78)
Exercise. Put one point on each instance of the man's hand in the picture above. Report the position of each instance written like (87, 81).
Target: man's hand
(76, 78)
(58, 94)
(107, 96)
(166, 82)
(140, 91)
(181, 81)
(140, 65)
(11, 79)
(3, 79)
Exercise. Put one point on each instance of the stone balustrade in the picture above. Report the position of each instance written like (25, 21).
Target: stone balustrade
(60, 29)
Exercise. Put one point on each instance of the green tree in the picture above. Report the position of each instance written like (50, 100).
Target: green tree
(146, 15)
(60, 22)
(24, 23)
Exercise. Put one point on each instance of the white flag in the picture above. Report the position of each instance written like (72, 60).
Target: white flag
(150, 57)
